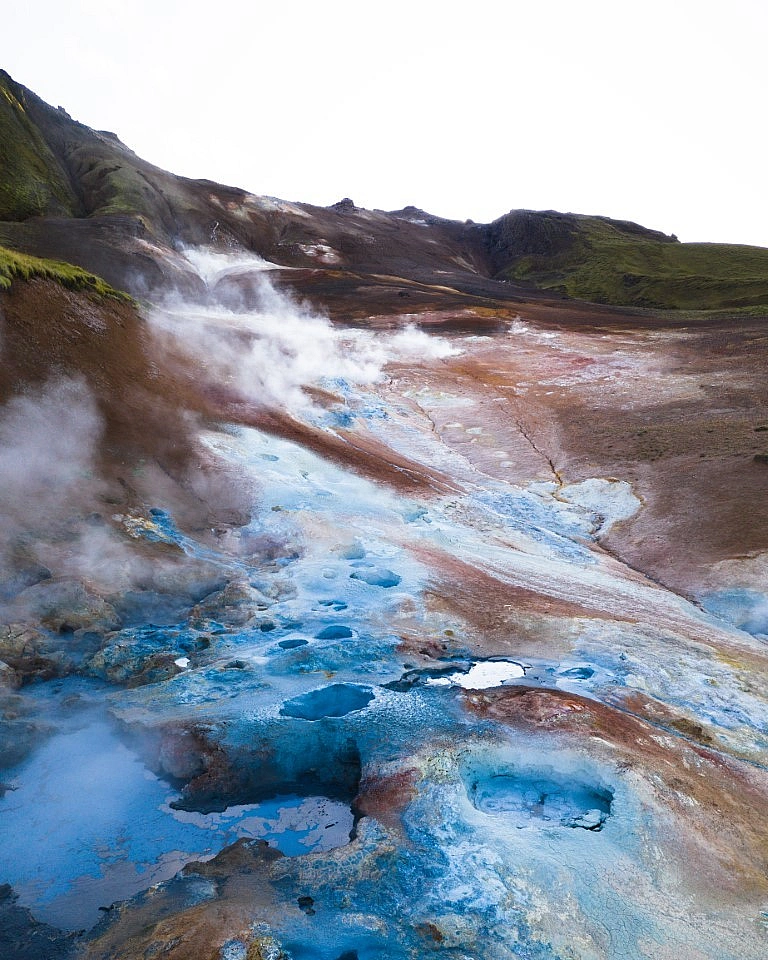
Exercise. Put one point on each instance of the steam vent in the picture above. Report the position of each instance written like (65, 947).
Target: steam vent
(373, 586)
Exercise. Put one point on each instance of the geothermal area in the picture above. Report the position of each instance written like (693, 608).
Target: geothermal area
(372, 585)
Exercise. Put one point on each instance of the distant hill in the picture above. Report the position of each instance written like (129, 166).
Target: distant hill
(622, 263)
(72, 193)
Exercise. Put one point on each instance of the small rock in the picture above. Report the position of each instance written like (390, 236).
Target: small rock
(589, 820)
(235, 605)
(233, 950)
(8, 678)
(306, 905)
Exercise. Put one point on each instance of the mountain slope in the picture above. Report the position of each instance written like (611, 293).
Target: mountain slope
(33, 182)
(80, 195)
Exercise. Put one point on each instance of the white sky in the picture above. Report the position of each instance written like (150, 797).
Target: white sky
(653, 111)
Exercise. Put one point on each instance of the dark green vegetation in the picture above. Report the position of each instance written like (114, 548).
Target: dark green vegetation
(616, 262)
(21, 266)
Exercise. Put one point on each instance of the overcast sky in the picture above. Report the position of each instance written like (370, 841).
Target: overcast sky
(652, 111)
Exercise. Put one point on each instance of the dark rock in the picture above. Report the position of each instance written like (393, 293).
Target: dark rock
(23, 938)
(146, 654)
(344, 206)
(64, 606)
(306, 905)
(236, 605)
(9, 679)
(34, 654)
(21, 578)
(18, 735)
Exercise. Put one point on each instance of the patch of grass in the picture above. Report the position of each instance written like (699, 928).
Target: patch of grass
(608, 261)
(21, 266)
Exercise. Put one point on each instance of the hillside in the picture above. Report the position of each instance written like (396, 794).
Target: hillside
(79, 195)
(609, 261)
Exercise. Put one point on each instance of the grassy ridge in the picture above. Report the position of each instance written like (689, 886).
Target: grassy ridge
(602, 261)
(21, 266)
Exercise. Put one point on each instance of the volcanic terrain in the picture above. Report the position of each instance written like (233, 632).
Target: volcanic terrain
(372, 584)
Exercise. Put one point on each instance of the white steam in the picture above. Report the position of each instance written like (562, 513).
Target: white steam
(51, 487)
(411, 343)
(48, 442)
(212, 265)
(258, 341)
(52, 492)
(243, 334)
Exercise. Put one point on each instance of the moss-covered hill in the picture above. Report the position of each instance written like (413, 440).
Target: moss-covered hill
(617, 262)
(32, 181)
(51, 165)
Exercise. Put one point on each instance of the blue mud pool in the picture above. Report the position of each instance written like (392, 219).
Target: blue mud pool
(84, 823)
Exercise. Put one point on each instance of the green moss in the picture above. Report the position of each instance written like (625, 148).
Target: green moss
(109, 184)
(32, 182)
(606, 262)
(43, 153)
(21, 266)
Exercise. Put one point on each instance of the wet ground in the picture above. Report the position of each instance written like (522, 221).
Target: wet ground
(398, 720)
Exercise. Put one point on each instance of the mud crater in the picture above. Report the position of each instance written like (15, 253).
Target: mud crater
(531, 797)
(336, 700)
